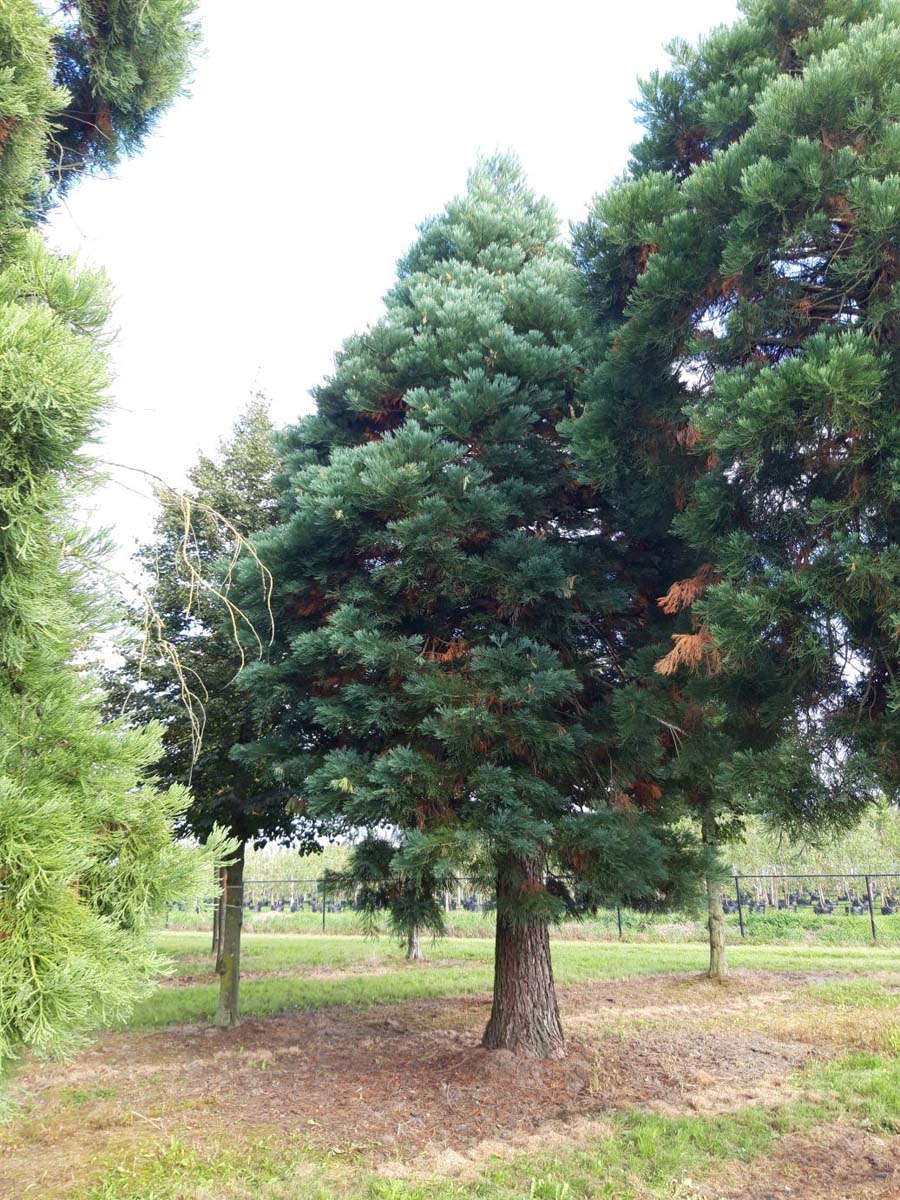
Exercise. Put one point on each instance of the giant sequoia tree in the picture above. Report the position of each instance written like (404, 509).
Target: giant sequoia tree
(742, 414)
(86, 851)
(445, 597)
(802, 413)
(118, 64)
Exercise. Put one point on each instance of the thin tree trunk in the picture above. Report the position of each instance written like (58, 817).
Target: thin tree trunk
(414, 945)
(718, 963)
(229, 968)
(525, 1015)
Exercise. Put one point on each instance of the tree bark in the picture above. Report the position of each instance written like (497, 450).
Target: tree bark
(718, 962)
(229, 965)
(414, 945)
(525, 1014)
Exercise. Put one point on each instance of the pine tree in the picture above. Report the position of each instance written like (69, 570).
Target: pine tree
(191, 645)
(87, 857)
(741, 279)
(444, 602)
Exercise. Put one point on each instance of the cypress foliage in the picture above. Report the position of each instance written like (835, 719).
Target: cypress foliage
(87, 857)
(86, 851)
(741, 281)
(445, 601)
(803, 413)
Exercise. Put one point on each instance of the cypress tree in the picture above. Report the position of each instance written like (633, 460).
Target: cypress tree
(445, 603)
(87, 857)
(738, 278)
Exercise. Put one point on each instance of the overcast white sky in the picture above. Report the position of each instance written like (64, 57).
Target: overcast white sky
(261, 225)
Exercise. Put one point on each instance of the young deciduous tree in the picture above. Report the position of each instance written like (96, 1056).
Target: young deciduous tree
(444, 599)
(743, 411)
(181, 670)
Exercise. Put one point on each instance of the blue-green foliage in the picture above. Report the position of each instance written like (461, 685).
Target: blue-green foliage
(445, 598)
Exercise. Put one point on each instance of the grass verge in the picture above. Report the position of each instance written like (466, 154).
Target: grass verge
(466, 970)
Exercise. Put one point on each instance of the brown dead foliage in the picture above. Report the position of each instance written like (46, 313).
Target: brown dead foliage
(693, 651)
(646, 792)
(684, 592)
(313, 603)
(687, 437)
(438, 650)
(691, 144)
(647, 249)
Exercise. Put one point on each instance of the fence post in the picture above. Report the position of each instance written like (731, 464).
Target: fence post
(323, 905)
(737, 888)
(619, 919)
(217, 876)
(220, 924)
(871, 906)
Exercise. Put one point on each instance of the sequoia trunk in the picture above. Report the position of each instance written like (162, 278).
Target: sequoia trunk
(525, 1015)
(229, 964)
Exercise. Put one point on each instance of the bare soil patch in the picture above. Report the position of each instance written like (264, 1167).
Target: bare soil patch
(699, 1071)
(839, 1162)
(406, 1083)
(351, 971)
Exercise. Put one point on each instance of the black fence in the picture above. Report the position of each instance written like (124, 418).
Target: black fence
(874, 895)
(852, 895)
(284, 896)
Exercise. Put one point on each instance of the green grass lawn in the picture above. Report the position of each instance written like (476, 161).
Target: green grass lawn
(374, 971)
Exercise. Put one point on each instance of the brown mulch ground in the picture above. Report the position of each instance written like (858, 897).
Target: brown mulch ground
(410, 1084)
(837, 1163)
(695, 1070)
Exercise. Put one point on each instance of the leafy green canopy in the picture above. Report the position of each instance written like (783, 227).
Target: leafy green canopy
(444, 588)
(52, 382)
(86, 851)
(746, 272)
